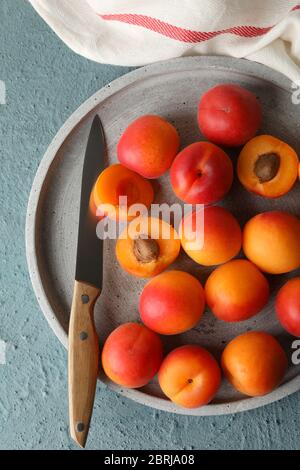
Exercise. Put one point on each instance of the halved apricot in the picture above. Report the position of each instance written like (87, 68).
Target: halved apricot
(147, 246)
(117, 182)
(267, 166)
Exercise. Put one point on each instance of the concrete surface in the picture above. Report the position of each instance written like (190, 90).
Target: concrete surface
(45, 82)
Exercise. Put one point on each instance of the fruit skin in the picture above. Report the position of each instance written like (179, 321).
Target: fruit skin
(287, 306)
(148, 146)
(132, 355)
(287, 172)
(169, 247)
(201, 173)
(115, 181)
(187, 363)
(172, 302)
(271, 241)
(229, 115)
(236, 291)
(254, 363)
(222, 236)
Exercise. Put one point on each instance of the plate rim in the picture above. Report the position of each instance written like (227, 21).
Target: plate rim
(31, 226)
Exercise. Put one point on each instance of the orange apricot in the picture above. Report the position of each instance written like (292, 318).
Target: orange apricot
(267, 166)
(172, 303)
(116, 182)
(287, 306)
(236, 291)
(189, 376)
(254, 363)
(148, 146)
(210, 236)
(271, 240)
(132, 355)
(147, 246)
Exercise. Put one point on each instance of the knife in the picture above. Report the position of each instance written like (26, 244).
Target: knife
(83, 352)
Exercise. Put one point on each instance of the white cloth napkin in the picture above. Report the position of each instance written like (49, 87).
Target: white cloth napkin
(137, 32)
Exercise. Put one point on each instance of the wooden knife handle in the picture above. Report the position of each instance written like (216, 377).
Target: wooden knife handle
(83, 363)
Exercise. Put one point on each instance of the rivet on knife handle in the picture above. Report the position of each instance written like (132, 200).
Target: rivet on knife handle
(83, 360)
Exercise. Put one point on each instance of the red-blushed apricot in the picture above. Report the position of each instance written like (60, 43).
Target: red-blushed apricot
(236, 291)
(132, 355)
(189, 376)
(254, 363)
(172, 303)
(267, 166)
(229, 114)
(288, 306)
(148, 146)
(271, 240)
(201, 173)
(210, 236)
(118, 181)
(147, 246)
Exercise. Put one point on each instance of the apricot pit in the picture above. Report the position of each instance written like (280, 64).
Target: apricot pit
(266, 166)
(145, 249)
(149, 252)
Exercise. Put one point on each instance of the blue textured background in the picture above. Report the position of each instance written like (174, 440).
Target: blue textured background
(45, 83)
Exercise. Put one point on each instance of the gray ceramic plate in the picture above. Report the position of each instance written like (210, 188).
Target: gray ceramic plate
(171, 89)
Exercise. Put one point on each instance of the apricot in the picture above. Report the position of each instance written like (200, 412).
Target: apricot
(267, 166)
(288, 306)
(147, 246)
(210, 236)
(201, 173)
(172, 303)
(116, 182)
(148, 146)
(132, 355)
(271, 240)
(189, 376)
(254, 363)
(229, 114)
(236, 291)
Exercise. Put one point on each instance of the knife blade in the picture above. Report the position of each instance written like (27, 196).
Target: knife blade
(83, 351)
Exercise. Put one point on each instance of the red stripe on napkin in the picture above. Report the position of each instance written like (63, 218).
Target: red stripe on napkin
(186, 35)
